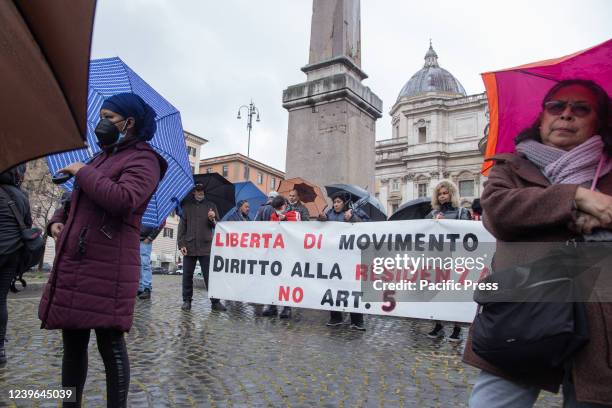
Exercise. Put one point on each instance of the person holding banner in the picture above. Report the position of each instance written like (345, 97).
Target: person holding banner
(556, 188)
(195, 235)
(340, 212)
(296, 205)
(280, 213)
(265, 211)
(445, 204)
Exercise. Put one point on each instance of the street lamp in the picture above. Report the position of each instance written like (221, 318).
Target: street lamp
(251, 111)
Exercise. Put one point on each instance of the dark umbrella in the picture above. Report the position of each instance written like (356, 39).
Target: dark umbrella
(364, 204)
(44, 60)
(412, 210)
(217, 189)
(356, 192)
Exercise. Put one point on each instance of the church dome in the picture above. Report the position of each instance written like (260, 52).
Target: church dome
(432, 78)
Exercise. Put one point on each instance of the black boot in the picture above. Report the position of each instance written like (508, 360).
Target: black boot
(456, 335)
(285, 313)
(145, 294)
(186, 305)
(218, 306)
(270, 310)
(437, 331)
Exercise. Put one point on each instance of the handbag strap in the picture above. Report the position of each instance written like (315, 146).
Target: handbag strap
(13, 207)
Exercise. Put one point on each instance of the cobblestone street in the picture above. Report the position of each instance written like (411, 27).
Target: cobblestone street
(235, 359)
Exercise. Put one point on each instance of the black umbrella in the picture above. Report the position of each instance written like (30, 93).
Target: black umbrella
(356, 192)
(371, 208)
(412, 210)
(364, 204)
(217, 189)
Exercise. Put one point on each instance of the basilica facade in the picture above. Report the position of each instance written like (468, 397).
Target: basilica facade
(436, 133)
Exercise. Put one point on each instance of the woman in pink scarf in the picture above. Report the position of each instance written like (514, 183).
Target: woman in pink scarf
(557, 187)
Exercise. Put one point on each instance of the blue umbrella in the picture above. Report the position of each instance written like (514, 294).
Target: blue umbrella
(249, 191)
(110, 76)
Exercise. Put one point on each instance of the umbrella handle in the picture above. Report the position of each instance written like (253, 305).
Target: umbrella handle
(61, 178)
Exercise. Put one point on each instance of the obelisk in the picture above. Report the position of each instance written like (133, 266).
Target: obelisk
(331, 132)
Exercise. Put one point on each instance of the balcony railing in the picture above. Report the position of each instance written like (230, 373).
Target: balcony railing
(391, 142)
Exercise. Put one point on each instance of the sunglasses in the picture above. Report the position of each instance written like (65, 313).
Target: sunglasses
(579, 109)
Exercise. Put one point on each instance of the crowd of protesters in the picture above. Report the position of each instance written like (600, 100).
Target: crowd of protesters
(556, 188)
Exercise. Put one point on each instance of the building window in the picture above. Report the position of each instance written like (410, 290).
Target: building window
(422, 190)
(191, 151)
(394, 207)
(272, 182)
(259, 178)
(225, 170)
(168, 233)
(247, 172)
(422, 134)
(192, 169)
(466, 188)
(395, 186)
(209, 170)
(396, 132)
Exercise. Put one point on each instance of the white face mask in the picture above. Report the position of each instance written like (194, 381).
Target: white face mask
(278, 212)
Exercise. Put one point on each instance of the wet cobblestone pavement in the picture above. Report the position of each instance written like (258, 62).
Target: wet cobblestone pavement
(235, 359)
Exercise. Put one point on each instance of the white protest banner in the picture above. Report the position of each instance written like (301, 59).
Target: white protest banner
(419, 268)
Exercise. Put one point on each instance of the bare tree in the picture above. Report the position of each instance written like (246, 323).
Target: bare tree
(45, 197)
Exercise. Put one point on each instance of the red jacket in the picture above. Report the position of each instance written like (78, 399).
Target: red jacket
(96, 270)
(289, 216)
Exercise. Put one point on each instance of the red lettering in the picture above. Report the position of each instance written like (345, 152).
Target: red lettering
(310, 240)
(283, 293)
(233, 236)
(244, 240)
(298, 295)
(464, 275)
(278, 242)
(484, 273)
(361, 272)
(254, 240)
(218, 242)
(266, 238)
(442, 275)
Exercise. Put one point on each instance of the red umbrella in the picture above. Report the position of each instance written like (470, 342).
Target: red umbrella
(515, 94)
(44, 64)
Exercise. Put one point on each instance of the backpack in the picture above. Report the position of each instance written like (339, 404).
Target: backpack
(33, 243)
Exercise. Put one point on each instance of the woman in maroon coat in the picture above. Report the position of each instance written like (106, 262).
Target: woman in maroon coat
(558, 187)
(97, 267)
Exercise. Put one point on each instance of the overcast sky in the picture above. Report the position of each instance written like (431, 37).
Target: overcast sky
(209, 57)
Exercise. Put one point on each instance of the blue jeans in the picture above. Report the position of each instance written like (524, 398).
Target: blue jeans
(491, 391)
(146, 274)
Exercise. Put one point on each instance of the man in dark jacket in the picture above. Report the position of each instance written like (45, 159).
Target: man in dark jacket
(296, 205)
(10, 239)
(265, 211)
(147, 236)
(195, 235)
(240, 213)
